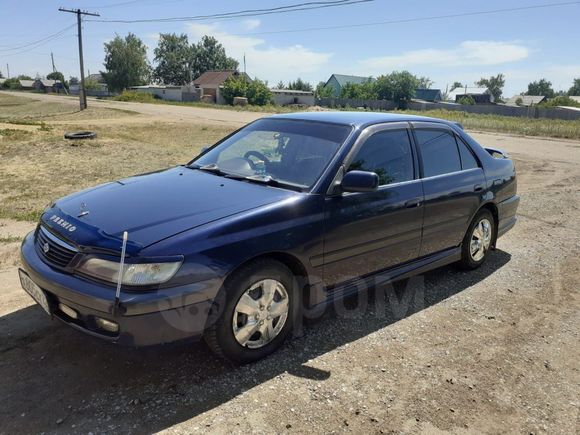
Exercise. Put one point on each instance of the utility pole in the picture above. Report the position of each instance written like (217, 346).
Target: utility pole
(52, 59)
(8, 70)
(82, 93)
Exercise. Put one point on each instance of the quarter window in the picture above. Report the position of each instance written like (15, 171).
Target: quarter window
(467, 159)
(438, 152)
(388, 154)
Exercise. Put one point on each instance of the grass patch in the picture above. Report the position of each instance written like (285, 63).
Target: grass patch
(14, 134)
(507, 124)
(137, 97)
(10, 239)
(34, 173)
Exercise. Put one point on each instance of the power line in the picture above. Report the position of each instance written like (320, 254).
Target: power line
(29, 49)
(39, 41)
(411, 20)
(246, 13)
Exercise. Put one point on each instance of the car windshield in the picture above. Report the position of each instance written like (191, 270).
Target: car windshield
(282, 151)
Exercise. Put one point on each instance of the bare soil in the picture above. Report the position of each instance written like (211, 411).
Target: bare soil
(494, 350)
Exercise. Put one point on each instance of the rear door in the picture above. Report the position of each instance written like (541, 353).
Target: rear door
(370, 231)
(453, 182)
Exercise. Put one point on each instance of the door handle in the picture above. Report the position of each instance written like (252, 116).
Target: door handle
(413, 203)
(478, 188)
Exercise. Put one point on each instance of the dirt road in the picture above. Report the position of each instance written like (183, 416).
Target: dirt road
(495, 350)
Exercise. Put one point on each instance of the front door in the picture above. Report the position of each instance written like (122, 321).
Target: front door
(371, 231)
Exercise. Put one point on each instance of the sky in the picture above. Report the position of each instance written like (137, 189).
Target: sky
(524, 45)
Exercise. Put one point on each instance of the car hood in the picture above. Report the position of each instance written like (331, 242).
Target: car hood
(152, 207)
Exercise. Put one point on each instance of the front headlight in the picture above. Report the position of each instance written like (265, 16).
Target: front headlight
(133, 274)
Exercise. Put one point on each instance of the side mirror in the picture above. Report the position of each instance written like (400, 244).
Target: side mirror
(359, 181)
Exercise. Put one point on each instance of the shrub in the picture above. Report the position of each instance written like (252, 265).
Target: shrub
(466, 100)
(256, 91)
(139, 97)
(11, 84)
(562, 100)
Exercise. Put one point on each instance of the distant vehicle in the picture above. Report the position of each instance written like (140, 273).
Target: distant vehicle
(290, 212)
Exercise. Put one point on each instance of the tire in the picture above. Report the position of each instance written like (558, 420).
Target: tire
(258, 275)
(481, 232)
(81, 135)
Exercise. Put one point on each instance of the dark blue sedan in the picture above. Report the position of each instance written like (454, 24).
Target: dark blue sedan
(283, 216)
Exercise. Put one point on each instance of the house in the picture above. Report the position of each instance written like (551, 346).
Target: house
(209, 84)
(163, 92)
(430, 95)
(285, 97)
(575, 98)
(337, 81)
(525, 100)
(27, 85)
(48, 86)
(479, 95)
(95, 86)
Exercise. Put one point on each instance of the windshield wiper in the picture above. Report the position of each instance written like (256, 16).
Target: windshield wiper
(212, 167)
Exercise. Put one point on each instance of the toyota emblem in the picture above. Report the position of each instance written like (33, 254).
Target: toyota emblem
(46, 248)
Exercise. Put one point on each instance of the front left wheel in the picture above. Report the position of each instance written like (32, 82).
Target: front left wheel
(260, 302)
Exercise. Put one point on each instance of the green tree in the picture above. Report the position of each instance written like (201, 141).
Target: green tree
(13, 83)
(495, 85)
(56, 75)
(541, 87)
(256, 91)
(425, 83)
(300, 85)
(174, 57)
(24, 77)
(1, 76)
(208, 54)
(455, 85)
(575, 89)
(73, 80)
(280, 85)
(362, 91)
(125, 63)
(563, 100)
(323, 91)
(397, 86)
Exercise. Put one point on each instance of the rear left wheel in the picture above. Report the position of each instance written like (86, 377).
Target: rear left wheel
(478, 240)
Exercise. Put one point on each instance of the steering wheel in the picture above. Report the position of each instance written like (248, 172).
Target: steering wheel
(258, 154)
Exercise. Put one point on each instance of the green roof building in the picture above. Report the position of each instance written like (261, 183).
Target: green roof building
(337, 81)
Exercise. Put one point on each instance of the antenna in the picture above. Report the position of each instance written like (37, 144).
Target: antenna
(121, 270)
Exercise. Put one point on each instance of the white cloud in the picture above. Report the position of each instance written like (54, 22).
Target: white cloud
(251, 24)
(468, 53)
(265, 61)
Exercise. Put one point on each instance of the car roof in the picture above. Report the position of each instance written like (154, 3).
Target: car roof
(357, 119)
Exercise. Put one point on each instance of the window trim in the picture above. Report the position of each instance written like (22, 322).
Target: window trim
(426, 125)
(477, 161)
(360, 141)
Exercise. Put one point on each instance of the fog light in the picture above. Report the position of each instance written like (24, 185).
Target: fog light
(107, 325)
(68, 311)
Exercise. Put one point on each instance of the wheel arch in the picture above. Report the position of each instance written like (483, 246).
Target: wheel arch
(492, 208)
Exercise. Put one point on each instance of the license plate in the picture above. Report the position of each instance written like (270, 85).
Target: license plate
(34, 291)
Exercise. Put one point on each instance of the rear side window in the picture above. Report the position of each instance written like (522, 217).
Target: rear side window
(438, 151)
(467, 159)
(388, 154)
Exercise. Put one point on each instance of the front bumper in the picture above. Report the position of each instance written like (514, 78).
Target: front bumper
(148, 318)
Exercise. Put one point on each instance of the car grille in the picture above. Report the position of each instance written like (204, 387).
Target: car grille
(53, 250)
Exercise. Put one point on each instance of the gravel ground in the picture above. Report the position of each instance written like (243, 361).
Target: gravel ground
(494, 350)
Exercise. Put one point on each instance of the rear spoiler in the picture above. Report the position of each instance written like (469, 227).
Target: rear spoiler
(497, 153)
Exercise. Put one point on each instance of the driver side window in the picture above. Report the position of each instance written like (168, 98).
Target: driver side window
(388, 154)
